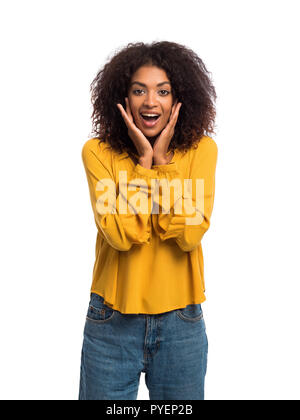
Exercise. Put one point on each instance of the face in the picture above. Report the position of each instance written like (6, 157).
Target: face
(150, 93)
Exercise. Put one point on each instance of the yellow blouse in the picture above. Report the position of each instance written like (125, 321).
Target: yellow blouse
(150, 223)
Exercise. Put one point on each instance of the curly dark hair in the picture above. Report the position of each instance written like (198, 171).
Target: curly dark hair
(190, 83)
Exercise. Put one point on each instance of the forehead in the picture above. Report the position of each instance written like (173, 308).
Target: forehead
(150, 74)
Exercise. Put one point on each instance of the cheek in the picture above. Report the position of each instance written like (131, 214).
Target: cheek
(168, 114)
(131, 103)
(169, 109)
(134, 108)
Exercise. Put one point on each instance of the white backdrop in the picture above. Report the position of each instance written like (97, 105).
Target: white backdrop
(50, 52)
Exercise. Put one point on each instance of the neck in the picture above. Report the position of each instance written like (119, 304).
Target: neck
(152, 139)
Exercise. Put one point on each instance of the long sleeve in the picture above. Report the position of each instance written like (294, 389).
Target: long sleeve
(188, 215)
(122, 213)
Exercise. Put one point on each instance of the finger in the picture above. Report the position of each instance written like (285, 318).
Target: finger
(174, 116)
(175, 108)
(124, 115)
(172, 111)
(128, 110)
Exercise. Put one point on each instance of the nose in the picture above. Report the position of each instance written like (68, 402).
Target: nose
(150, 99)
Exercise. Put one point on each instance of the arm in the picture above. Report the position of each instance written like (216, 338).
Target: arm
(120, 230)
(185, 228)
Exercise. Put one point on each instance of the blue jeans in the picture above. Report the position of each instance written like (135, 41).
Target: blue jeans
(170, 347)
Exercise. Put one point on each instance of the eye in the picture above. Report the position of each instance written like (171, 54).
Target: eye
(137, 90)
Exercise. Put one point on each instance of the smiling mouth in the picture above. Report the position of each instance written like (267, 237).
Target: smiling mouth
(150, 121)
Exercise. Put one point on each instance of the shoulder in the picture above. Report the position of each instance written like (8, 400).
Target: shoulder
(95, 148)
(205, 149)
(207, 143)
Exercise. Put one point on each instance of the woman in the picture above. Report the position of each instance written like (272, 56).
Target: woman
(153, 111)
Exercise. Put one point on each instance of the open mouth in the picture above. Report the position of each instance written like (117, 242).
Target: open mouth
(150, 120)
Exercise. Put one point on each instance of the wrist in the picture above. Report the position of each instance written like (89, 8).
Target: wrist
(146, 162)
(163, 160)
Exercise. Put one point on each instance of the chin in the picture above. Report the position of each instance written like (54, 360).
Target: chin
(149, 134)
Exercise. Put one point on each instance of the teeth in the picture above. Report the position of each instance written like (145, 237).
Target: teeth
(150, 115)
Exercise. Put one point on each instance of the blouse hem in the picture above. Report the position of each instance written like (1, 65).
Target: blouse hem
(112, 306)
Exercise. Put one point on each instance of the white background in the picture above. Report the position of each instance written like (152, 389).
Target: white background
(50, 52)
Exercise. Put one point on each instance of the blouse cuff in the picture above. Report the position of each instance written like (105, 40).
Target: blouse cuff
(169, 167)
(141, 170)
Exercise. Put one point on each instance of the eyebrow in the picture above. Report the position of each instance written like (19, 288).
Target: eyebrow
(143, 84)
